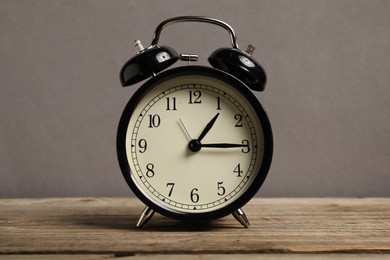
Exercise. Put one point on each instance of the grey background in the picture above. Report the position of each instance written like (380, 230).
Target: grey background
(328, 94)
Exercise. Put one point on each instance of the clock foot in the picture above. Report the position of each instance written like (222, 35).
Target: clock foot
(240, 216)
(146, 215)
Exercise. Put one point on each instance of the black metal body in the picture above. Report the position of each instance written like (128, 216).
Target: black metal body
(239, 86)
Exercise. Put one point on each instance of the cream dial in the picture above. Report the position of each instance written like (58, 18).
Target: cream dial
(194, 144)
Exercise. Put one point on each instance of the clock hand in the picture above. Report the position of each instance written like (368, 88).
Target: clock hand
(185, 130)
(195, 144)
(207, 128)
(223, 145)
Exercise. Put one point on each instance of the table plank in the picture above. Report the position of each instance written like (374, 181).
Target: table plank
(279, 226)
(200, 257)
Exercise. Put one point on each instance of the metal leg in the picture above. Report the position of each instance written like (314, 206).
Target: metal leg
(146, 215)
(240, 216)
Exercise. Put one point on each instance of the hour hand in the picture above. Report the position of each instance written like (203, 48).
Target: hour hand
(208, 127)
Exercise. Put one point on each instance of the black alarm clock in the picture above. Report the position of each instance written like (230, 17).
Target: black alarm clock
(194, 143)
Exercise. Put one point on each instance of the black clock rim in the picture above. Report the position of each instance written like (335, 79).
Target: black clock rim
(232, 81)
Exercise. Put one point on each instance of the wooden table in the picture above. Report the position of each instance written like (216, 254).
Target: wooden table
(102, 228)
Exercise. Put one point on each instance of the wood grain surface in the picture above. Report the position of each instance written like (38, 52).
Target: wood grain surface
(279, 226)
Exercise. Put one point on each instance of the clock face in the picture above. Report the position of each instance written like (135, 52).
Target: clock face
(191, 143)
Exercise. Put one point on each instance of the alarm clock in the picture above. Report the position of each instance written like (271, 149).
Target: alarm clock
(194, 143)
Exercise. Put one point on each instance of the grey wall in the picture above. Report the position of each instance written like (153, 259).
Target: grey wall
(328, 94)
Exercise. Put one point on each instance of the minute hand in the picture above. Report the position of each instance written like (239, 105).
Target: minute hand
(223, 145)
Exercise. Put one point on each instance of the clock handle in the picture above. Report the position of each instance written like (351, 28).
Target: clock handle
(201, 19)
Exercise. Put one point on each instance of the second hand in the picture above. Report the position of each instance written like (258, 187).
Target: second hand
(185, 130)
